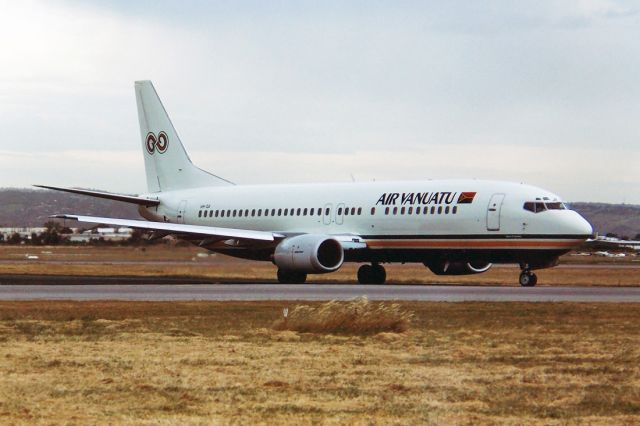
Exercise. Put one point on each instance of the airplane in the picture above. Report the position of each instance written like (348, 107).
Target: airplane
(453, 227)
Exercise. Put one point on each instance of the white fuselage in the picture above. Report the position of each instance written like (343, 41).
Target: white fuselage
(407, 216)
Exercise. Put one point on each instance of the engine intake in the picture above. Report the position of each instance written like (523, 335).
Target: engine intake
(309, 253)
(458, 268)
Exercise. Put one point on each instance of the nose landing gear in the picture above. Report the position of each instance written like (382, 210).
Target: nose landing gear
(372, 274)
(528, 278)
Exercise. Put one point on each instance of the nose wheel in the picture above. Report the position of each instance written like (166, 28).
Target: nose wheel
(528, 278)
(372, 274)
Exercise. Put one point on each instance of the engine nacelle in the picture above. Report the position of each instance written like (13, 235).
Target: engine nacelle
(458, 268)
(316, 254)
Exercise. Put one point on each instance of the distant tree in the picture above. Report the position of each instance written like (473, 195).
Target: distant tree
(15, 239)
(36, 239)
(52, 225)
(51, 235)
(137, 237)
(612, 235)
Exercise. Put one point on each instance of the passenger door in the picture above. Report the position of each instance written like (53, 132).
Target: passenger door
(493, 212)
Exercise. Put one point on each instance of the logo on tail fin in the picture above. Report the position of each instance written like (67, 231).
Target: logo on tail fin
(159, 143)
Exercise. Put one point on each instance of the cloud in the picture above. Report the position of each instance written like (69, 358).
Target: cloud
(344, 87)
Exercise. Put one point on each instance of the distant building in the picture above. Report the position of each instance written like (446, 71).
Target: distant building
(106, 234)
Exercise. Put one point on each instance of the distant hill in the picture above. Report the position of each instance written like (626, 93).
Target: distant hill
(29, 207)
(620, 219)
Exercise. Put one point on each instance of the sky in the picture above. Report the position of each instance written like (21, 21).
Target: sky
(544, 92)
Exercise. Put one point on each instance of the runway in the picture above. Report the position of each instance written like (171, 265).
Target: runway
(315, 292)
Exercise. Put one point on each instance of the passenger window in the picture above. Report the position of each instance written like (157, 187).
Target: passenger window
(327, 211)
(410, 210)
(229, 213)
(239, 213)
(446, 210)
(304, 212)
(200, 213)
(273, 212)
(266, 212)
(353, 211)
(440, 210)
(386, 210)
(286, 211)
(359, 211)
(298, 212)
(395, 210)
(210, 213)
(217, 213)
(402, 210)
(346, 211)
(454, 210)
(339, 211)
(373, 211)
(311, 212)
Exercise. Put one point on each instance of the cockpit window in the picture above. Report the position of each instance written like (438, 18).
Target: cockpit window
(555, 206)
(540, 206)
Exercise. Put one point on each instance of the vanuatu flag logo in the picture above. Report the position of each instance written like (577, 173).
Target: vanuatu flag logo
(466, 197)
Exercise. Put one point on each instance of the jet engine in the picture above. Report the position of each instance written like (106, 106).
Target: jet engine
(317, 254)
(458, 268)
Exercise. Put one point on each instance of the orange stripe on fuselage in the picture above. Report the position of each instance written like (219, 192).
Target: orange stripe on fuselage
(516, 244)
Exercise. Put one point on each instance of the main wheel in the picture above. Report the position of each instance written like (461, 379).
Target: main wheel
(365, 274)
(291, 277)
(379, 275)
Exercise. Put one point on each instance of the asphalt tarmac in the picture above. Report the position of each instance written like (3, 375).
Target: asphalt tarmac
(155, 289)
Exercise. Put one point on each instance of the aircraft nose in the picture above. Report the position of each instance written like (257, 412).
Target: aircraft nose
(580, 226)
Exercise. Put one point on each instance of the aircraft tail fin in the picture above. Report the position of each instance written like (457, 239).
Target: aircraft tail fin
(167, 164)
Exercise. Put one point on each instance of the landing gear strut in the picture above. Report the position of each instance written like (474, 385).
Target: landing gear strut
(291, 277)
(372, 274)
(528, 278)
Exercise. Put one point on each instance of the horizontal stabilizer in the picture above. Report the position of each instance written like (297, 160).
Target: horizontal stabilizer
(108, 195)
(174, 228)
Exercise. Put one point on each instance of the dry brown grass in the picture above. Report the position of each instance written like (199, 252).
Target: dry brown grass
(357, 317)
(203, 363)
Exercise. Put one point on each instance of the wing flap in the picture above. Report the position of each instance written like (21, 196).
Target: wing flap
(174, 228)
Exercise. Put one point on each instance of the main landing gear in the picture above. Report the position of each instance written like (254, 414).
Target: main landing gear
(372, 274)
(528, 278)
(291, 277)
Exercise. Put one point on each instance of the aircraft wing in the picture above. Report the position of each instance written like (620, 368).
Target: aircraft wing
(107, 195)
(176, 228)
